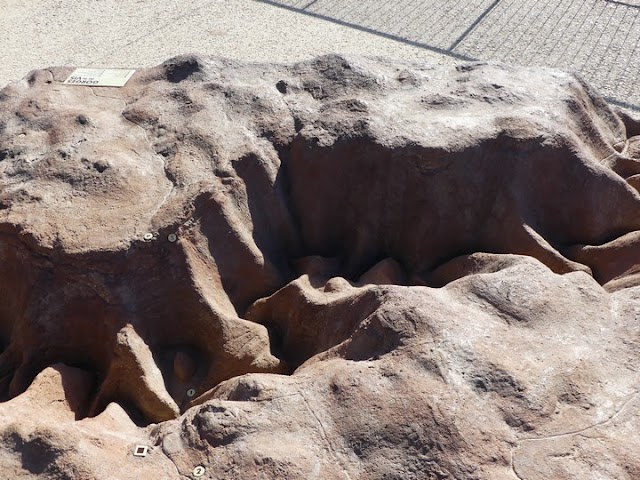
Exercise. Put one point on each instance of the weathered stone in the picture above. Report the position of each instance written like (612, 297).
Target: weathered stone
(367, 278)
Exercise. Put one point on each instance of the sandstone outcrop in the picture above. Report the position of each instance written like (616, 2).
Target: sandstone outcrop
(345, 268)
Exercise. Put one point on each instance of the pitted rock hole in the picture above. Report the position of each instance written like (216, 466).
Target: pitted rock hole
(182, 68)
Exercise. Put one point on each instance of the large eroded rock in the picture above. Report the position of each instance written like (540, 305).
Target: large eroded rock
(339, 269)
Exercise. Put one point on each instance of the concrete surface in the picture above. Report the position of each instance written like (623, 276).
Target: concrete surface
(598, 38)
(130, 33)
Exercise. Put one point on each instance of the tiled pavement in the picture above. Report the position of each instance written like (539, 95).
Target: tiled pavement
(598, 38)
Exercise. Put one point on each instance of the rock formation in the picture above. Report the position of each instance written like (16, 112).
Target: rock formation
(345, 268)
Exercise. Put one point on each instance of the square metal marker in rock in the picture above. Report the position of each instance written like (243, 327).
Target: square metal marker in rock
(140, 451)
(99, 77)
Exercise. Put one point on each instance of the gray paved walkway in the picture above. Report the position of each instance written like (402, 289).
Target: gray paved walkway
(599, 38)
(139, 33)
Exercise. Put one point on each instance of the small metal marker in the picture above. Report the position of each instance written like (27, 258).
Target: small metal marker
(148, 236)
(172, 237)
(191, 392)
(140, 451)
(198, 471)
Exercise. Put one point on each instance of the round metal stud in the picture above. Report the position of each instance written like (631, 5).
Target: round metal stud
(172, 237)
(199, 471)
(148, 236)
(191, 392)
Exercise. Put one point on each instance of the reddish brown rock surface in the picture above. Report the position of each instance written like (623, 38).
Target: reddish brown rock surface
(339, 269)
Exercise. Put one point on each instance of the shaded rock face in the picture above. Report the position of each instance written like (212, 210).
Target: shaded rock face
(339, 269)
